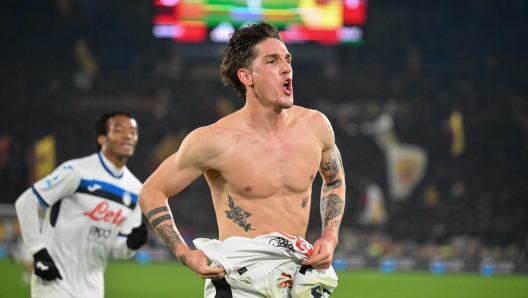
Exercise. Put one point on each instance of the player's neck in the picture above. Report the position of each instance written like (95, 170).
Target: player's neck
(265, 118)
(117, 161)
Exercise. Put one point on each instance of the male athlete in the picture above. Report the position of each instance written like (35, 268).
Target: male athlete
(260, 163)
(91, 211)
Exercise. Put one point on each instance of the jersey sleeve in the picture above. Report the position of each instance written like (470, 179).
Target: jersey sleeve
(27, 213)
(63, 181)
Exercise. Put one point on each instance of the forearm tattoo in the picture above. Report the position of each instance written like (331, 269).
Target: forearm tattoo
(332, 185)
(183, 259)
(334, 226)
(238, 215)
(331, 207)
(334, 163)
(170, 236)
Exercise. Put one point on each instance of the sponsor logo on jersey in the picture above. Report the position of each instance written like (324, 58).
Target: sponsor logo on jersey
(92, 188)
(98, 235)
(102, 212)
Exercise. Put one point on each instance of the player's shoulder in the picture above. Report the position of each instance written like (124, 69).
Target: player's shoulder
(212, 137)
(316, 121)
(79, 163)
(310, 116)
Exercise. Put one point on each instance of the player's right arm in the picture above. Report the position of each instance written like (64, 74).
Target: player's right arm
(61, 183)
(171, 177)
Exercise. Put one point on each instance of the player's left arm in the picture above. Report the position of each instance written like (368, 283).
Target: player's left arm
(332, 201)
(132, 235)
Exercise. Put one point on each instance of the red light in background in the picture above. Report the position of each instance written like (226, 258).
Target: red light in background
(354, 12)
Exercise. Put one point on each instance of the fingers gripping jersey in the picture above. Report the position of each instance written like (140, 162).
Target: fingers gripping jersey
(92, 207)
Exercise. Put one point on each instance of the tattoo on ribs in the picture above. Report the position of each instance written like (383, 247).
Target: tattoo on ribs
(238, 215)
(334, 164)
(332, 185)
(304, 202)
(171, 237)
(331, 207)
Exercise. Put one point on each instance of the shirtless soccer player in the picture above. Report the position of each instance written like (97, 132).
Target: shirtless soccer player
(260, 163)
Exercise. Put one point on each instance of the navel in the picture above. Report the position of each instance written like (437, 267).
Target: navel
(248, 188)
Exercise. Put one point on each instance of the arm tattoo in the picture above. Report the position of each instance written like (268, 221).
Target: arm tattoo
(183, 259)
(156, 211)
(304, 202)
(329, 186)
(334, 227)
(334, 163)
(160, 219)
(331, 207)
(171, 237)
(238, 215)
(332, 133)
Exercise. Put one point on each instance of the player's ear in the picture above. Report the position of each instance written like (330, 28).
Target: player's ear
(101, 140)
(245, 77)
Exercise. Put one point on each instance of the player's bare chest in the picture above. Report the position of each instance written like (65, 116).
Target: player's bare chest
(272, 164)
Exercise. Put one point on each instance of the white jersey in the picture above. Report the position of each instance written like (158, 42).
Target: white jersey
(92, 208)
(265, 266)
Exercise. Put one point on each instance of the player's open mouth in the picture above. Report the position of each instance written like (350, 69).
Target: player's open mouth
(287, 86)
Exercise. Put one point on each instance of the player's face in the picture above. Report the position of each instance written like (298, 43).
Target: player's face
(121, 138)
(272, 73)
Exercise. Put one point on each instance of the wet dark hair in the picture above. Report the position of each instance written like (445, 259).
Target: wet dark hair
(240, 51)
(101, 126)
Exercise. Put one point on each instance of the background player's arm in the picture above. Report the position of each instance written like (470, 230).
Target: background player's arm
(332, 202)
(172, 176)
(133, 234)
(62, 182)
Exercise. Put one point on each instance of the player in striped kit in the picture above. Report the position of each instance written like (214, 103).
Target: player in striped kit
(92, 211)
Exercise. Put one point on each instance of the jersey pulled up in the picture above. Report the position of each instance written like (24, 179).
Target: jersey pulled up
(266, 266)
(91, 208)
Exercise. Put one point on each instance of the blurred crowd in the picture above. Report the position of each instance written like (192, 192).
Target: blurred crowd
(65, 62)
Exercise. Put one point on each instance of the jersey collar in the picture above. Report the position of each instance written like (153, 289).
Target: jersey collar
(110, 167)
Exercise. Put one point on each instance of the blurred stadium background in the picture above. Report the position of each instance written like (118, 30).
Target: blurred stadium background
(428, 100)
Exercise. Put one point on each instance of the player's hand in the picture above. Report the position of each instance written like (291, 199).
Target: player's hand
(323, 252)
(44, 266)
(137, 237)
(197, 261)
